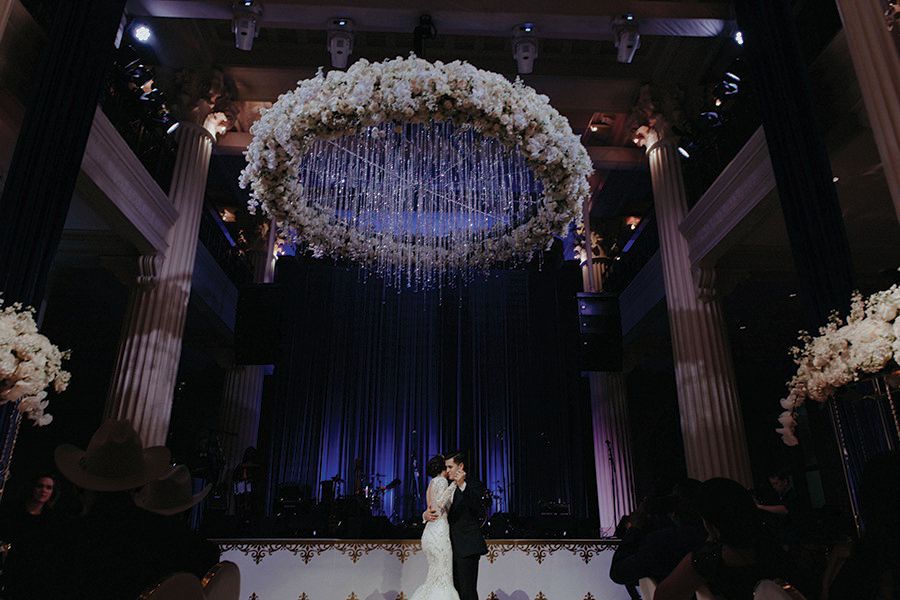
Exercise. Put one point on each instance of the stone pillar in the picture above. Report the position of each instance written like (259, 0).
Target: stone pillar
(711, 423)
(239, 418)
(877, 65)
(612, 444)
(612, 448)
(144, 378)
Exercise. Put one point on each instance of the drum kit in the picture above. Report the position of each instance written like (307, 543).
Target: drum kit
(369, 496)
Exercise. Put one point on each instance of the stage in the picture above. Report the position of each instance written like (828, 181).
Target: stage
(323, 569)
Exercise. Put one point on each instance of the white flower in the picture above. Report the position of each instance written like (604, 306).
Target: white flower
(29, 364)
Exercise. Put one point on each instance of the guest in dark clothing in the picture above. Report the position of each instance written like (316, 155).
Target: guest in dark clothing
(28, 527)
(116, 550)
(873, 569)
(653, 553)
(740, 551)
(783, 513)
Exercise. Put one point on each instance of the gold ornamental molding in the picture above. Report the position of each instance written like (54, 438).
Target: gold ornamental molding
(402, 550)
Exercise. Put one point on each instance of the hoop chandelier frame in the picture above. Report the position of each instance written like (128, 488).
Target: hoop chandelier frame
(416, 92)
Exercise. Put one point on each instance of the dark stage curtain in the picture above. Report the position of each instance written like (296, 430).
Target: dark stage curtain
(390, 378)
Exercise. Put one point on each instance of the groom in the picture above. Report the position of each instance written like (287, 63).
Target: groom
(464, 518)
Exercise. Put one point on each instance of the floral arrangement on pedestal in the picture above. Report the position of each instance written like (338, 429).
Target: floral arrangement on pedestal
(29, 364)
(414, 91)
(868, 343)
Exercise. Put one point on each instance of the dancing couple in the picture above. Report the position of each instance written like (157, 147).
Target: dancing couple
(452, 540)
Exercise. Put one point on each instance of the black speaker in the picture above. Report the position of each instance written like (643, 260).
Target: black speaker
(600, 332)
(257, 325)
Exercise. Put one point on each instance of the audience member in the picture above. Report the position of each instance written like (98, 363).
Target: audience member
(872, 570)
(783, 512)
(653, 553)
(115, 550)
(739, 551)
(28, 527)
(169, 497)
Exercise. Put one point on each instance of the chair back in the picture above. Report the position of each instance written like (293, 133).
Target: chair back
(178, 586)
(222, 582)
(767, 589)
(647, 586)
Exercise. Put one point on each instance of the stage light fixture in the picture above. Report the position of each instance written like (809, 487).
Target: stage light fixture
(142, 33)
(738, 38)
(245, 23)
(340, 41)
(626, 36)
(525, 47)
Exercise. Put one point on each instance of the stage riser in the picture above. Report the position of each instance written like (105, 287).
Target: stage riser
(318, 569)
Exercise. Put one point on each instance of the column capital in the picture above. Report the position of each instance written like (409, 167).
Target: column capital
(204, 98)
(705, 279)
(148, 271)
(658, 115)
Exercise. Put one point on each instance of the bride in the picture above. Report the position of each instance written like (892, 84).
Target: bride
(436, 537)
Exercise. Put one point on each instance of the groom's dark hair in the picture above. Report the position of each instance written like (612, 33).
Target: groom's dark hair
(458, 456)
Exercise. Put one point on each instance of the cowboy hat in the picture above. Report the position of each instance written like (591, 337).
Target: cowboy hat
(114, 460)
(171, 493)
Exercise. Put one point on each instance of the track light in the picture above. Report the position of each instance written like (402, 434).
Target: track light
(340, 41)
(525, 47)
(626, 36)
(245, 23)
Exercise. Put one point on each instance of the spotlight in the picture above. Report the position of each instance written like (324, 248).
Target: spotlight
(626, 37)
(525, 47)
(684, 152)
(738, 38)
(142, 33)
(340, 41)
(245, 23)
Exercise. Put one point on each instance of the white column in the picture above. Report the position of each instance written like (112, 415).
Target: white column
(609, 421)
(877, 65)
(147, 366)
(242, 394)
(612, 448)
(711, 423)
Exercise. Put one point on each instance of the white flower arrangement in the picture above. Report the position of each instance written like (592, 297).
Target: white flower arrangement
(869, 342)
(414, 91)
(29, 364)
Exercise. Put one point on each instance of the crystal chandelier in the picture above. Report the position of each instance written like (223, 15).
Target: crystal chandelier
(426, 195)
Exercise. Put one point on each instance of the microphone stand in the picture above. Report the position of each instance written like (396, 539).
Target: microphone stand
(612, 473)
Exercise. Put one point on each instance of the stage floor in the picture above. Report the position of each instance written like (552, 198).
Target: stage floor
(322, 569)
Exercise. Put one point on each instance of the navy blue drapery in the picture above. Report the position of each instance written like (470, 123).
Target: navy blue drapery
(389, 377)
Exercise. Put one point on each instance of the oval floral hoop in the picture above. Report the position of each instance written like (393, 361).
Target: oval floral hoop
(414, 91)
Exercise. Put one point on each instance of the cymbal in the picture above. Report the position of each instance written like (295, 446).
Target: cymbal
(379, 475)
(337, 479)
(392, 484)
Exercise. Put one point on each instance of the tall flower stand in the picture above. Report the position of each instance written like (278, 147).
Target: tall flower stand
(10, 421)
(865, 419)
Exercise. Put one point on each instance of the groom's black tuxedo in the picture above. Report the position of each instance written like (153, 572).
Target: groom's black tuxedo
(468, 544)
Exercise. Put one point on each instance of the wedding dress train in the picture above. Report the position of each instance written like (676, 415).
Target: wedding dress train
(436, 545)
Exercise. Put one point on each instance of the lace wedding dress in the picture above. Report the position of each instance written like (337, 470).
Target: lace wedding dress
(436, 545)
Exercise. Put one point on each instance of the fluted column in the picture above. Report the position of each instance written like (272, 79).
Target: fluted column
(711, 423)
(242, 394)
(612, 448)
(147, 366)
(877, 65)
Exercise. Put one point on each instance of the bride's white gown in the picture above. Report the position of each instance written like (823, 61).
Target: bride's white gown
(436, 545)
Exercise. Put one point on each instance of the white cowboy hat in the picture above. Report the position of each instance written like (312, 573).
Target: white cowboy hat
(171, 493)
(114, 460)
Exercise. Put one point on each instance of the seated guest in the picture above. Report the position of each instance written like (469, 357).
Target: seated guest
(169, 497)
(872, 570)
(113, 550)
(28, 527)
(653, 553)
(739, 551)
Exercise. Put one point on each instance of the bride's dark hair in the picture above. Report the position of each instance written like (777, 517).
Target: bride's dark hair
(435, 466)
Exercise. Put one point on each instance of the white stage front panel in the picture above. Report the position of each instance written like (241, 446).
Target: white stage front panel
(315, 569)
